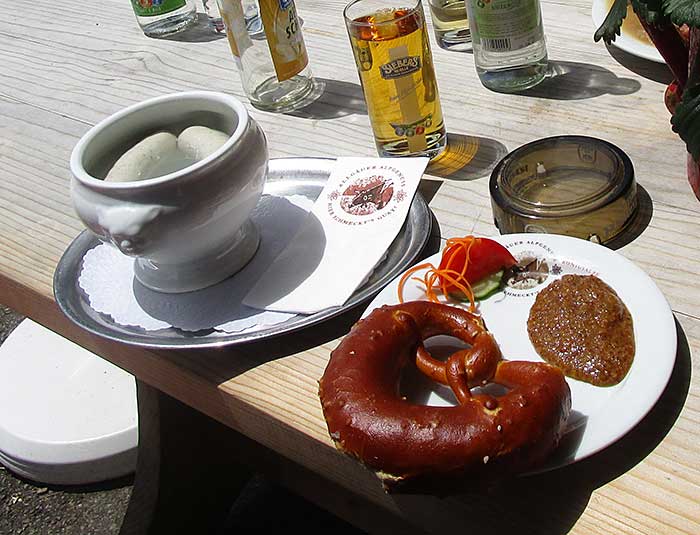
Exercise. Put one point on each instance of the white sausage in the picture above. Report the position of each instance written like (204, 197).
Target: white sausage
(198, 142)
(139, 162)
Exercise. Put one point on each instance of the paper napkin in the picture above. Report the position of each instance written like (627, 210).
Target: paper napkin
(352, 224)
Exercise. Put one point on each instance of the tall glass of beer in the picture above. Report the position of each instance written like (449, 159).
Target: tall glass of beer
(392, 53)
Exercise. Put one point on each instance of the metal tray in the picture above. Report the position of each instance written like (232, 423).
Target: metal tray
(287, 176)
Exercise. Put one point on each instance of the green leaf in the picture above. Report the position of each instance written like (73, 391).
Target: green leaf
(651, 11)
(611, 25)
(683, 12)
(686, 121)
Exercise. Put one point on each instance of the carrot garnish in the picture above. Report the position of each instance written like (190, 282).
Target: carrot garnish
(447, 279)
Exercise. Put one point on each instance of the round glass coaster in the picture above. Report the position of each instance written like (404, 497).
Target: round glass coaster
(572, 185)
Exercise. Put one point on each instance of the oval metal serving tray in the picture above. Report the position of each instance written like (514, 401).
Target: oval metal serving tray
(287, 176)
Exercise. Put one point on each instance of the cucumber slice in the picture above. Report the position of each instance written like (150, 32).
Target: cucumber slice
(487, 286)
(483, 288)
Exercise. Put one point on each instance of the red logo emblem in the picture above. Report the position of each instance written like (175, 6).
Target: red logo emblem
(367, 195)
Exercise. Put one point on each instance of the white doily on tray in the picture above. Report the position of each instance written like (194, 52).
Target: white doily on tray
(107, 277)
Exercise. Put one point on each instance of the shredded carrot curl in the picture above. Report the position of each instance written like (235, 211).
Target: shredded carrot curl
(438, 280)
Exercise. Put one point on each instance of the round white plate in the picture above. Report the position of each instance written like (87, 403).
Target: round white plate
(623, 41)
(600, 415)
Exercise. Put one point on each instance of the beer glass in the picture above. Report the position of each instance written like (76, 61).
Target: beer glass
(450, 24)
(392, 52)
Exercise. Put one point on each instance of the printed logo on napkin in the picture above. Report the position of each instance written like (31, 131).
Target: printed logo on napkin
(352, 224)
(369, 193)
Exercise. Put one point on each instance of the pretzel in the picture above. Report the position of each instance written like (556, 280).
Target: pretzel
(416, 447)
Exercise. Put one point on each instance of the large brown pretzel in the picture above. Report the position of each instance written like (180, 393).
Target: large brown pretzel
(416, 447)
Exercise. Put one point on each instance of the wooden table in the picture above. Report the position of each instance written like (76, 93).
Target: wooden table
(64, 68)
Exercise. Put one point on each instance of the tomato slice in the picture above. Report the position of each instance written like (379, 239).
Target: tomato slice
(486, 257)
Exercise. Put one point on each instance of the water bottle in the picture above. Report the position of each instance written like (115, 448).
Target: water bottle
(158, 18)
(510, 53)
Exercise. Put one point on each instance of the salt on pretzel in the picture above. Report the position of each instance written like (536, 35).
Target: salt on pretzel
(416, 447)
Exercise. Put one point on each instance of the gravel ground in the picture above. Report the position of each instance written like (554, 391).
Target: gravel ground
(8, 321)
(29, 508)
(32, 509)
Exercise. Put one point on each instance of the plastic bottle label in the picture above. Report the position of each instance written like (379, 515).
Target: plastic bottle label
(151, 8)
(506, 25)
(284, 38)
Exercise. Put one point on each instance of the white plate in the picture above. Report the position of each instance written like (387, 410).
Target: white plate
(623, 41)
(600, 415)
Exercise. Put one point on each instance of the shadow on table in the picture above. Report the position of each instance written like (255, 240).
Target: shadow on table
(467, 157)
(199, 32)
(652, 70)
(640, 221)
(554, 501)
(570, 80)
(332, 99)
(221, 303)
(232, 361)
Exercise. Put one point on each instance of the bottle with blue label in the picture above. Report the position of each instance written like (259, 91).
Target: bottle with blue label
(159, 18)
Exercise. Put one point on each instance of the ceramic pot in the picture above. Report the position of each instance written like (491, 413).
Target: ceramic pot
(187, 229)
